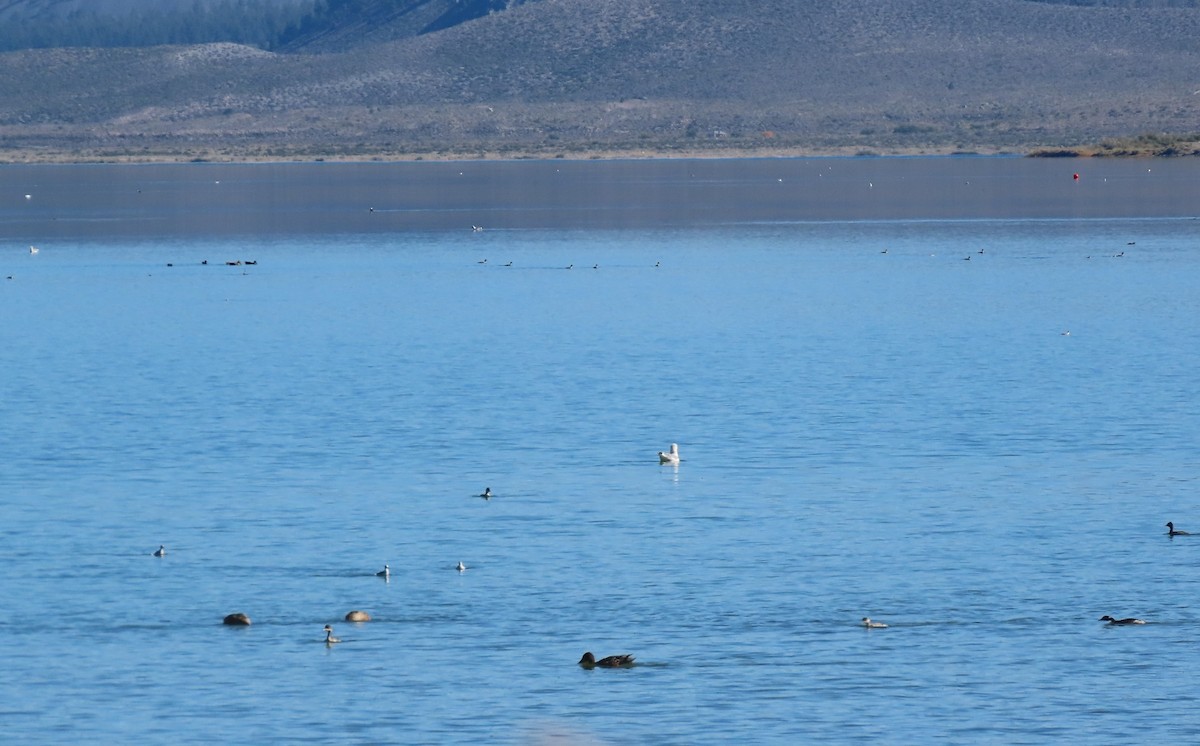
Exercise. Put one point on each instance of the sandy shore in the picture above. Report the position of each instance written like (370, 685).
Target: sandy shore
(52, 156)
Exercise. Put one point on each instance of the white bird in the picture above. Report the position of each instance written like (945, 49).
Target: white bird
(670, 458)
(34, 249)
(460, 567)
(866, 622)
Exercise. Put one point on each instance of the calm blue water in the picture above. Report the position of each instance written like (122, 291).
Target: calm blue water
(908, 436)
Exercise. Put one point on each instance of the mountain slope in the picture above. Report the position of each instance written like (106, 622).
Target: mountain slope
(569, 75)
(345, 24)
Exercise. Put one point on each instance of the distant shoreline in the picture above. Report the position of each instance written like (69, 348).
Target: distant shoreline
(31, 156)
(1146, 146)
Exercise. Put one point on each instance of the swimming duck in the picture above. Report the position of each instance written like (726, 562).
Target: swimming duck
(357, 616)
(161, 551)
(670, 458)
(329, 638)
(1172, 532)
(460, 567)
(486, 494)
(613, 661)
(866, 622)
(237, 620)
(386, 572)
(1127, 620)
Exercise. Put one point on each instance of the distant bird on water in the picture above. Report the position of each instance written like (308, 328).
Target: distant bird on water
(460, 567)
(34, 249)
(866, 622)
(1172, 532)
(386, 572)
(1120, 622)
(486, 494)
(624, 660)
(161, 551)
(672, 457)
(329, 638)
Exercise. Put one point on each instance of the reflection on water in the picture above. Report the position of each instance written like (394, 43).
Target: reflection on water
(186, 201)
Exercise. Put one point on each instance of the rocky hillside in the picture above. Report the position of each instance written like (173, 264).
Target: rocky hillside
(581, 76)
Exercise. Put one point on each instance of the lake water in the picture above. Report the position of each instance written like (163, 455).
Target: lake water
(865, 363)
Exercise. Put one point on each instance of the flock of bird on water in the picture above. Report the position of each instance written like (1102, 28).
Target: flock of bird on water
(624, 660)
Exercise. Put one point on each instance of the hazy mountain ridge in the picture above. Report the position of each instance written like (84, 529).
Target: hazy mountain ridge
(569, 75)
